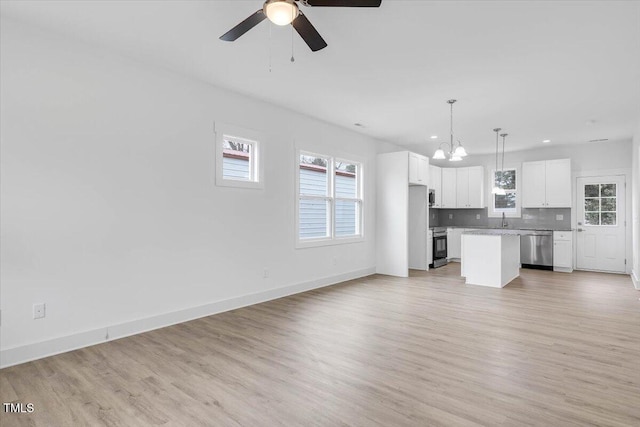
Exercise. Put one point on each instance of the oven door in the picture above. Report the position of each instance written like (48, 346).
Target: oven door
(439, 250)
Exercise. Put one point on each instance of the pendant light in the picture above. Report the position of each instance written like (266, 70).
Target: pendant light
(504, 136)
(455, 154)
(497, 189)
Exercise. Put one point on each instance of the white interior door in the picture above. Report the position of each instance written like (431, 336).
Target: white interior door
(600, 241)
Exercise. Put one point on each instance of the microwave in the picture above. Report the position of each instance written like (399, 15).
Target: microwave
(432, 197)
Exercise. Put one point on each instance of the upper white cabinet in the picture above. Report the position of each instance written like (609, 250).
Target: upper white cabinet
(435, 184)
(558, 185)
(418, 169)
(469, 187)
(449, 188)
(546, 184)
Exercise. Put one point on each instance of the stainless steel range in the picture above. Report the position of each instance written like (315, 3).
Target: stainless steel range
(439, 246)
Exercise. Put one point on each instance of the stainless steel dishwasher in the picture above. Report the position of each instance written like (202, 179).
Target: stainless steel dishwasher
(536, 249)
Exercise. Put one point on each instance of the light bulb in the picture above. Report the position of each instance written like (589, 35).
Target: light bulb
(455, 158)
(281, 12)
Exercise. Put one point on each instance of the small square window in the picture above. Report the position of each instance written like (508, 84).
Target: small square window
(238, 157)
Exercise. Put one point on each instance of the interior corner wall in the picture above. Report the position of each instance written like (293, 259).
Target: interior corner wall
(110, 212)
(635, 187)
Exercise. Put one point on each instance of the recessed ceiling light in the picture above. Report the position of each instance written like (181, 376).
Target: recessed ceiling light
(434, 137)
(546, 141)
(360, 125)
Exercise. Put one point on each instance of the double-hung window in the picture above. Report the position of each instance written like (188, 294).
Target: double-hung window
(508, 203)
(329, 200)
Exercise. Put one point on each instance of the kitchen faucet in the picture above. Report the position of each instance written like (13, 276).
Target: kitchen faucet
(504, 221)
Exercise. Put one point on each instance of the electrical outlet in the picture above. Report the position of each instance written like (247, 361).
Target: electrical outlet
(335, 261)
(477, 216)
(265, 274)
(450, 216)
(38, 311)
(559, 217)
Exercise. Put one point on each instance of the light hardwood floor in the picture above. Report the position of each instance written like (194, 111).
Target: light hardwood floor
(550, 349)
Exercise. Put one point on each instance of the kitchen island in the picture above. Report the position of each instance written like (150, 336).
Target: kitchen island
(490, 257)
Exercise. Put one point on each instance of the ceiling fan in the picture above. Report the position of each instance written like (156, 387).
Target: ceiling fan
(284, 12)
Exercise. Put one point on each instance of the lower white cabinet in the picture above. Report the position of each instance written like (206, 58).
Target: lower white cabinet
(454, 243)
(563, 251)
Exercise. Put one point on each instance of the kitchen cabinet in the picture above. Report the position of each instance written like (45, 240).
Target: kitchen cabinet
(449, 188)
(469, 187)
(454, 239)
(563, 251)
(401, 213)
(435, 184)
(490, 259)
(418, 227)
(546, 184)
(418, 169)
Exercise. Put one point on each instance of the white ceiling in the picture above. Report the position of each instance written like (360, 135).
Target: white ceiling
(568, 71)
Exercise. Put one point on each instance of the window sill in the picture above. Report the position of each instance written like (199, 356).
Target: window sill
(314, 243)
(239, 184)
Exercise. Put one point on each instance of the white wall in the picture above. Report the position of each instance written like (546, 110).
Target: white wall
(110, 214)
(635, 273)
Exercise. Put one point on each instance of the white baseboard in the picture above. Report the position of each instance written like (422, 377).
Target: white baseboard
(635, 278)
(29, 352)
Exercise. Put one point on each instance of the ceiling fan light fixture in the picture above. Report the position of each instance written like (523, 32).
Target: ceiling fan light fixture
(281, 12)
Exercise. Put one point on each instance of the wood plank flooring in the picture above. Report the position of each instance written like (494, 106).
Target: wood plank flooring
(550, 349)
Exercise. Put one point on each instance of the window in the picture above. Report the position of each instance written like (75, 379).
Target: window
(509, 203)
(600, 204)
(237, 157)
(329, 205)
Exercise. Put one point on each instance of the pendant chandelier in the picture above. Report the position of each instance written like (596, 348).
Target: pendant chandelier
(456, 153)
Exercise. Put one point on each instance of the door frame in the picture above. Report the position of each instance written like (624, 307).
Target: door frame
(574, 208)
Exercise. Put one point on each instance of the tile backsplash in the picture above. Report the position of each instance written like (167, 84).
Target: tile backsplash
(547, 218)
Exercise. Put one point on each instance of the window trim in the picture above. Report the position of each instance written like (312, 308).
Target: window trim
(246, 136)
(491, 211)
(600, 211)
(332, 239)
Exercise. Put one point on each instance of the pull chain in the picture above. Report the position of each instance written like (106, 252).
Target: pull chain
(270, 26)
(292, 58)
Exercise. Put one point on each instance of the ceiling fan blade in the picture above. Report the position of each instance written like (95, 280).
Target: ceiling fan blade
(244, 26)
(308, 33)
(342, 3)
